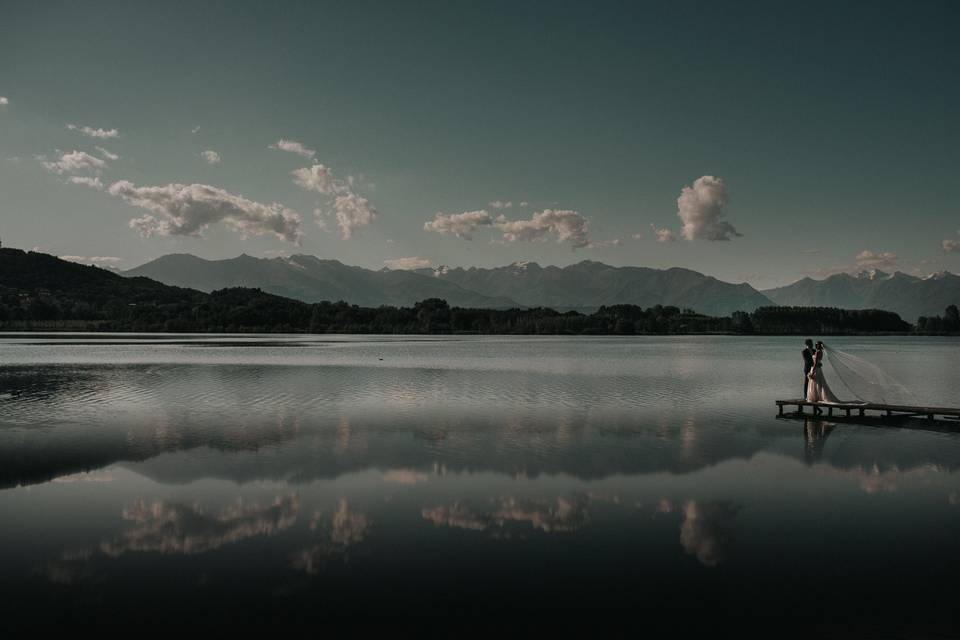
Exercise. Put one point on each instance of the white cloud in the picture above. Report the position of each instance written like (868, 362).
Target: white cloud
(663, 235)
(196, 129)
(461, 225)
(407, 263)
(567, 226)
(90, 132)
(524, 204)
(4, 101)
(75, 161)
(294, 147)
(637, 236)
(210, 157)
(187, 210)
(499, 204)
(90, 182)
(951, 245)
(106, 154)
(700, 208)
(871, 260)
(354, 212)
(865, 260)
(603, 244)
(318, 178)
(108, 260)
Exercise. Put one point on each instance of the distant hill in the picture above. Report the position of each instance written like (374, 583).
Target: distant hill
(586, 285)
(907, 295)
(310, 279)
(40, 275)
(589, 285)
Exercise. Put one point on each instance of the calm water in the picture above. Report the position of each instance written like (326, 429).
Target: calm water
(228, 480)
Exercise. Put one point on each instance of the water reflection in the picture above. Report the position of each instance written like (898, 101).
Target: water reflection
(253, 485)
(174, 528)
(706, 530)
(563, 514)
(815, 434)
(337, 535)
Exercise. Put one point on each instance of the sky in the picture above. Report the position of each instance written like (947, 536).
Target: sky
(755, 142)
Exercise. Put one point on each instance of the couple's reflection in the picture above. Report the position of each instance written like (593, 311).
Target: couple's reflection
(815, 434)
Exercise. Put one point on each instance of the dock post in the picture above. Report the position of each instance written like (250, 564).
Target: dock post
(848, 412)
(830, 411)
(861, 411)
(780, 407)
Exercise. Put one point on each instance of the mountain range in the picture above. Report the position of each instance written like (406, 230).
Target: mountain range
(585, 285)
(907, 295)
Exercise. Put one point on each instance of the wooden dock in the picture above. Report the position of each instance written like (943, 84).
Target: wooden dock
(860, 409)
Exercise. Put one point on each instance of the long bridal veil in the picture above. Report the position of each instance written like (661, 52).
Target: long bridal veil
(867, 381)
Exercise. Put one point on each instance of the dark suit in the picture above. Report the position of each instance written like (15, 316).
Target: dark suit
(807, 366)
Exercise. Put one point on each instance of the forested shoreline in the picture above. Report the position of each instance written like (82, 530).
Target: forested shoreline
(42, 293)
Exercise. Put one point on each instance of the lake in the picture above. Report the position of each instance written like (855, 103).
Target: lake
(241, 480)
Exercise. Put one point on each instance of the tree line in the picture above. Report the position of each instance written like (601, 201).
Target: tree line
(251, 310)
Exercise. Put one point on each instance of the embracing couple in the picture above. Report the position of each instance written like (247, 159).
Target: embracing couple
(815, 388)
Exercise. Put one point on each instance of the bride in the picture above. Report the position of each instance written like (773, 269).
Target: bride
(819, 390)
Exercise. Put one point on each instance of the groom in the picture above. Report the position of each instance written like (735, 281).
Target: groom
(807, 368)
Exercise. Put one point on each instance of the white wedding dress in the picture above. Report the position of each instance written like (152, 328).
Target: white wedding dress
(817, 389)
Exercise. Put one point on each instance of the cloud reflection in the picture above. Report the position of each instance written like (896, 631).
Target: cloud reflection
(562, 514)
(344, 531)
(706, 530)
(176, 528)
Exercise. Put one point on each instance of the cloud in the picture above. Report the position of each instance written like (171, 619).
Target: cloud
(90, 132)
(407, 263)
(187, 210)
(951, 245)
(603, 244)
(870, 260)
(565, 225)
(108, 260)
(354, 212)
(106, 154)
(705, 531)
(196, 129)
(210, 157)
(90, 182)
(75, 161)
(663, 235)
(461, 225)
(318, 178)
(4, 101)
(700, 208)
(294, 147)
(637, 236)
(865, 260)
(498, 204)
